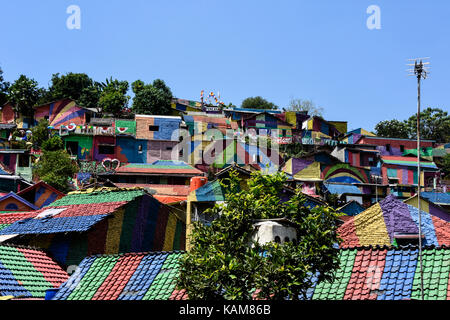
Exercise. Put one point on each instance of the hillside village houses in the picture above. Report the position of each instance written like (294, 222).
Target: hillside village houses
(142, 181)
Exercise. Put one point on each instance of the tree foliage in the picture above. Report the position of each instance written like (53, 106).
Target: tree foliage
(55, 167)
(155, 98)
(258, 102)
(113, 98)
(40, 133)
(77, 86)
(305, 105)
(23, 94)
(446, 166)
(392, 129)
(4, 85)
(224, 263)
(434, 125)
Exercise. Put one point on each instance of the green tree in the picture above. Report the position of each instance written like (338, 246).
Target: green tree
(155, 98)
(224, 263)
(54, 143)
(23, 95)
(292, 150)
(4, 85)
(56, 168)
(258, 103)
(305, 105)
(445, 167)
(77, 86)
(113, 98)
(40, 133)
(434, 125)
(392, 129)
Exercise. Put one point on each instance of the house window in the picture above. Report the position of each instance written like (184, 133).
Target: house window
(153, 128)
(407, 239)
(72, 147)
(168, 148)
(105, 149)
(12, 206)
(277, 239)
(286, 239)
(24, 161)
(388, 148)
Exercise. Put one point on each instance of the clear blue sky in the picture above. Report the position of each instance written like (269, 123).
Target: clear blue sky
(320, 50)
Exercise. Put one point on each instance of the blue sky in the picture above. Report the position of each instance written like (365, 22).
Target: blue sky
(320, 50)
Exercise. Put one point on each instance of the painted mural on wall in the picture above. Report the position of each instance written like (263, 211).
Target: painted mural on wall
(345, 173)
(63, 112)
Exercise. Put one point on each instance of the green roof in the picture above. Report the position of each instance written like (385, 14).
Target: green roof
(98, 196)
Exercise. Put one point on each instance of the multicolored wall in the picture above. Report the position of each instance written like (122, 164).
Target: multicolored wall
(143, 224)
(393, 147)
(157, 127)
(62, 112)
(345, 173)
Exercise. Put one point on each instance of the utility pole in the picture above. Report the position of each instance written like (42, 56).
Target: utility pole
(420, 71)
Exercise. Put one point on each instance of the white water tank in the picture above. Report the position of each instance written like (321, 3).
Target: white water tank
(274, 230)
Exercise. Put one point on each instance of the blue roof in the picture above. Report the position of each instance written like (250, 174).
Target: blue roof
(436, 197)
(342, 189)
(52, 225)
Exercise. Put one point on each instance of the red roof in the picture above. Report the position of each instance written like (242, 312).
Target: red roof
(169, 199)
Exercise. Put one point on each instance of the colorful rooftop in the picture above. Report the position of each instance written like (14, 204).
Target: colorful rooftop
(159, 167)
(78, 211)
(387, 273)
(384, 222)
(408, 161)
(437, 198)
(130, 276)
(28, 273)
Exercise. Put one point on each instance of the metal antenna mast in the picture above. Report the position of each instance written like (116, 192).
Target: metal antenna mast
(420, 71)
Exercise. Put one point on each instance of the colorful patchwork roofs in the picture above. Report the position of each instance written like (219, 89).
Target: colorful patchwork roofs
(28, 273)
(98, 221)
(387, 273)
(391, 219)
(130, 276)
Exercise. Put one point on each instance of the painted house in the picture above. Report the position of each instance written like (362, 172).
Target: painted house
(394, 222)
(182, 106)
(162, 134)
(395, 146)
(265, 124)
(159, 172)
(14, 202)
(40, 194)
(237, 114)
(17, 162)
(318, 131)
(365, 156)
(99, 221)
(27, 273)
(403, 171)
(64, 112)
